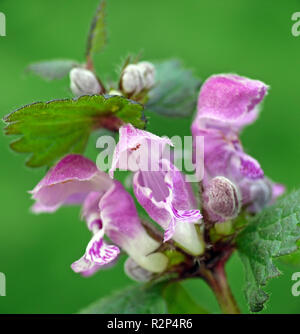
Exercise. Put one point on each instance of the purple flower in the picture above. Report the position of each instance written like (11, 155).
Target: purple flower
(107, 208)
(159, 186)
(226, 104)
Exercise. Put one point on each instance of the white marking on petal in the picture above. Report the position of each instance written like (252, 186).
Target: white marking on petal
(81, 265)
(170, 230)
(99, 252)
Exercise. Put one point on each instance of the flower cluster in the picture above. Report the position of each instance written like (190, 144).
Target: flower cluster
(233, 181)
(226, 104)
(135, 79)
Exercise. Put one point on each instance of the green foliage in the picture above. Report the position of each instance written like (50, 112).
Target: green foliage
(174, 257)
(161, 298)
(292, 259)
(180, 302)
(176, 91)
(52, 69)
(136, 299)
(272, 233)
(97, 34)
(49, 130)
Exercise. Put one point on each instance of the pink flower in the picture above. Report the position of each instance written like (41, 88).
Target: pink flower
(226, 104)
(107, 208)
(158, 185)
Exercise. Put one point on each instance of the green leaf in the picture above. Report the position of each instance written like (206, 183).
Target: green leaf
(137, 299)
(49, 130)
(97, 34)
(176, 91)
(180, 302)
(52, 69)
(292, 259)
(272, 233)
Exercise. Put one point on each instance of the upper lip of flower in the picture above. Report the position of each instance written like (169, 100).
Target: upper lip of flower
(229, 97)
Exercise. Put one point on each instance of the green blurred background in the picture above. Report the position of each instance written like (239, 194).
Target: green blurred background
(251, 38)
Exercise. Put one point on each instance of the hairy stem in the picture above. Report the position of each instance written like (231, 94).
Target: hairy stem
(217, 280)
(90, 66)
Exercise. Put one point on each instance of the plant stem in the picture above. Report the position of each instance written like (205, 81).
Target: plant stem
(217, 280)
(90, 66)
(89, 63)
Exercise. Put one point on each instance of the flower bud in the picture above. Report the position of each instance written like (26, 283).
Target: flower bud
(84, 82)
(132, 82)
(148, 74)
(222, 198)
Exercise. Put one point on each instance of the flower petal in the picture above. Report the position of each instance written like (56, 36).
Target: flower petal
(227, 103)
(87, 268)
(256, 194)
(230, 99)
(84, 266)
(74, 199)
(277, 190)
(137, 149)
(69, 182)
(250, 167)
(136, 272)
(168, 199)
(98, 253)
(122, 225)
(224, 156)
(154, 181)
(243, 165)
(90, 210)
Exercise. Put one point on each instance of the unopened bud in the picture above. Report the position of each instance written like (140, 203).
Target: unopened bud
(136, 78)
(84, 82)
(148, 74)
(132, 82)
(223, 198)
